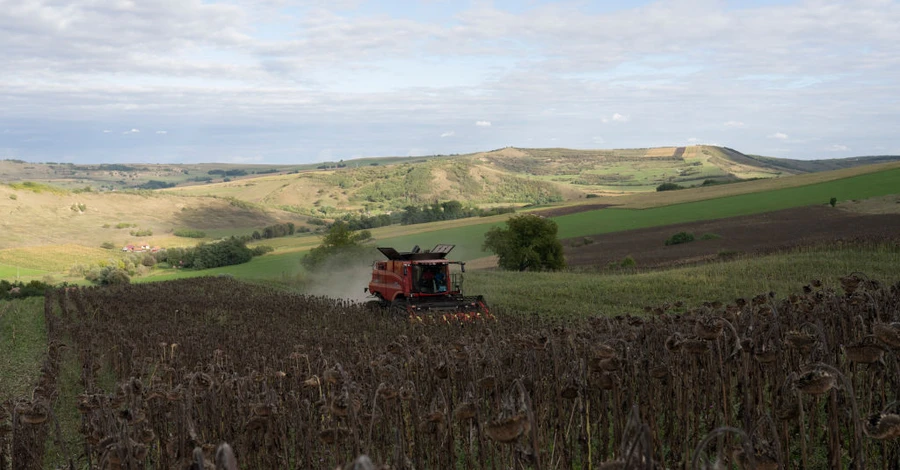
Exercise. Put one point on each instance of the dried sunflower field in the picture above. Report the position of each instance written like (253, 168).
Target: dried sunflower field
(170, 370)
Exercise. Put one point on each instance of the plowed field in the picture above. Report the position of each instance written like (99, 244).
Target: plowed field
(754, 234)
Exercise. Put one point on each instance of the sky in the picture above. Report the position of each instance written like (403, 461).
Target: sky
(285, 82)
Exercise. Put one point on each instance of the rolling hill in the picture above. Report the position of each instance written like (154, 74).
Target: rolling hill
(508, 176)
(58, 215)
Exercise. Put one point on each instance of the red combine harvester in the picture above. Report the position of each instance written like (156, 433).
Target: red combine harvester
(422, 285)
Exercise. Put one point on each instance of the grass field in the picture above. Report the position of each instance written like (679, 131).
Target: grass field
(56, 259)
(575, 294)
(469, 239)
(14, 272)
(23, 340)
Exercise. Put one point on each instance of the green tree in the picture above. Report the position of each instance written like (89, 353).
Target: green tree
(528, 242)
(339, 242)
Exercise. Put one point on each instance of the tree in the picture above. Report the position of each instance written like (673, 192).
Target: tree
(528, 242)
(338, 242)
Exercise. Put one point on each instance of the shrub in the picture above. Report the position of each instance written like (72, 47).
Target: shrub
(107, 245)
(13, 197)
(628, 262)
(142, 233)
(833, 201)
(261, 250)
(121, 225)
(108, 275)
(669, 187)
(189, 233)
(680, 237)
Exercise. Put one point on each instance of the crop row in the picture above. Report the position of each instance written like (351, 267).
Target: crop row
(310, 382)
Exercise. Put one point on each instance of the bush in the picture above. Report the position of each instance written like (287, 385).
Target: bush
(628, 262)
(833, 201)
(19, 290)
(680, 237)
(189, 233)
(108, 275)
(261, 250)
(669, 187)
(107, 245)
(142, 233)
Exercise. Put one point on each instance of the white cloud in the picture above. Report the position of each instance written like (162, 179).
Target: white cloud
(448, 134)
(106, 131)
(838, 148)
(335, 69)
(162, 132)
(133, 131)
(693, 140)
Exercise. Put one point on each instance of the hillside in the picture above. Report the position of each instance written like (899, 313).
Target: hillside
(508, 176)
(35, 215)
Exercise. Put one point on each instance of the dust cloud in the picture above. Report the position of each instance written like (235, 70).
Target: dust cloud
(343, 277)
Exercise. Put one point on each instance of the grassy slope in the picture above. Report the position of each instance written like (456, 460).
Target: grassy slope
(45, 218)
(468, 239)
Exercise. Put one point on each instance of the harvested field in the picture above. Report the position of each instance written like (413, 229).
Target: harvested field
(754, 234)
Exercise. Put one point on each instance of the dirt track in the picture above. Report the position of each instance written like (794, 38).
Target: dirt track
(754, 234)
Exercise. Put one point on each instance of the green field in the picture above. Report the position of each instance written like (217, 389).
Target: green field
(578, 294)
(23, 340)
(468, 239)
(615, 220)
(15, 272)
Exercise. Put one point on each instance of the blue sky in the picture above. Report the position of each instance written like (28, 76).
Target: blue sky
(279, 81)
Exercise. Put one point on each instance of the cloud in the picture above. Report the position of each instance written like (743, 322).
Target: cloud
(693, 140)
(262, 69)
(133, 131)
(162, 132)
(778, 135)
(838, 148)
(448, 134)
(483, 123)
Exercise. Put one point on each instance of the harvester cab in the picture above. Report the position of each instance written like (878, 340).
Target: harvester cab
(424, 285)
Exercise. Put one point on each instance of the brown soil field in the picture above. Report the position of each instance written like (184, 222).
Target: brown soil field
(574, 209)
(751, 235)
